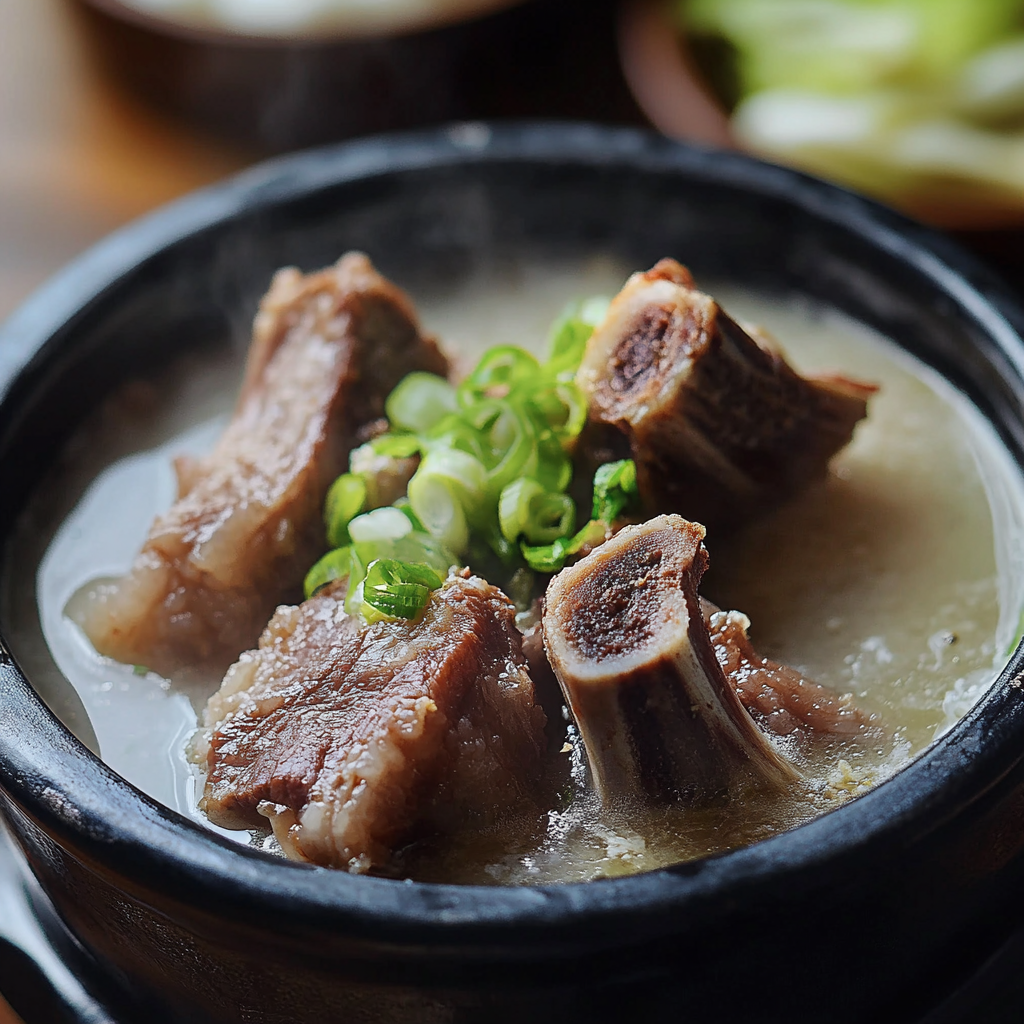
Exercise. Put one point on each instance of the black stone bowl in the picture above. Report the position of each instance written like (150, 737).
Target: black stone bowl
(870, 913)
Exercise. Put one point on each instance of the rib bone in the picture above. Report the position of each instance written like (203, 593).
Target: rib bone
(720, 426)
(626, 636)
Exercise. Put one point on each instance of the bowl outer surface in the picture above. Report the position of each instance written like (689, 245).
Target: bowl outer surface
(901, 874)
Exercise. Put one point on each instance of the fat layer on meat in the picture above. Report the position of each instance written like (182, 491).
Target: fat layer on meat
(721, 428)
(350, 738)
(327, 349)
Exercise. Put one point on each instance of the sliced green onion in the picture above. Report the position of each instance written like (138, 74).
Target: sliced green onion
(397, 446)
(574, 411)
(552, 516)
(493, 470)
(512, 443)
(380, 524)
(514, 506)
(420, 401)
(345, 500)
(500, 370)
(354, 594)
(394, 589)
(405, 508)
(422, 548)
(554, 467)
(414, 548)
(591, 535)
(552, 557)
(335, 565)
(455, 432)
(447, 492)
(615, 489)
(567, 343)
(545, 558)
(526, 509)
(435, 504)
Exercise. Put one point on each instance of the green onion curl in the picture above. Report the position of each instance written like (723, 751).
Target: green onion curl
(345, 500)
(419, 402)
(615, 489)
(393, 589)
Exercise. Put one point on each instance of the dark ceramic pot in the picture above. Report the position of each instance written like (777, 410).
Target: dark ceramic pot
(513, 58)
(870, 913)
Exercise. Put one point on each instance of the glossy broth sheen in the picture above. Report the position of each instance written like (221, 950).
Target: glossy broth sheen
(880, 582)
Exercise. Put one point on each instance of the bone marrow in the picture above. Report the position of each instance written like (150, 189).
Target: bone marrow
(626, 637)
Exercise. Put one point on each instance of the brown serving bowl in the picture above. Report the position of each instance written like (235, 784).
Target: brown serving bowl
(481, 59)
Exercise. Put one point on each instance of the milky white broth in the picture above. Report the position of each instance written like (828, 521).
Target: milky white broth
(881, 581)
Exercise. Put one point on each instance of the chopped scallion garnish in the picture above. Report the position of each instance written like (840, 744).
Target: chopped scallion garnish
(397, 446)
(335, 565)
(490, 485)
(419, 402)
(345, 500)
(552, 557)
(615, 489)
(380, 524)
(396, 590)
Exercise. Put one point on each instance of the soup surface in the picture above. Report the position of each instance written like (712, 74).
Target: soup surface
(897, 580)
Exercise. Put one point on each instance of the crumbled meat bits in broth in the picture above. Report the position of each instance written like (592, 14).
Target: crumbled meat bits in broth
(855, 622)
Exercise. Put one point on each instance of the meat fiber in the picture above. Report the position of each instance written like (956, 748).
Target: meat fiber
(777, 696)
(327, 349)
(626, 637)
(721, 428)
(351, 739)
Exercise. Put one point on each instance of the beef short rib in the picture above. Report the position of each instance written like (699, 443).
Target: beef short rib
(351, 739)
(327, 349)
(721, 428)
(626, 637)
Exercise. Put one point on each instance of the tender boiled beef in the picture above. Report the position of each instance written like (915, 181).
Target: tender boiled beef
(721, 428)
(626, 637)
(351, 739)
(327, 349)
(549, 693)
(779, 698)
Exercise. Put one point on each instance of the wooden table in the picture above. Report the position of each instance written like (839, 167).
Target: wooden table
(77, 158)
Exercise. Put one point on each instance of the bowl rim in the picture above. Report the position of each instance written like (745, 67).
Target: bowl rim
(116, 830)
(201, 33)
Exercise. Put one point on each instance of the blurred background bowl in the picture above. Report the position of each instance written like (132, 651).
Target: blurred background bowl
(919, 104)
(276, 91)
